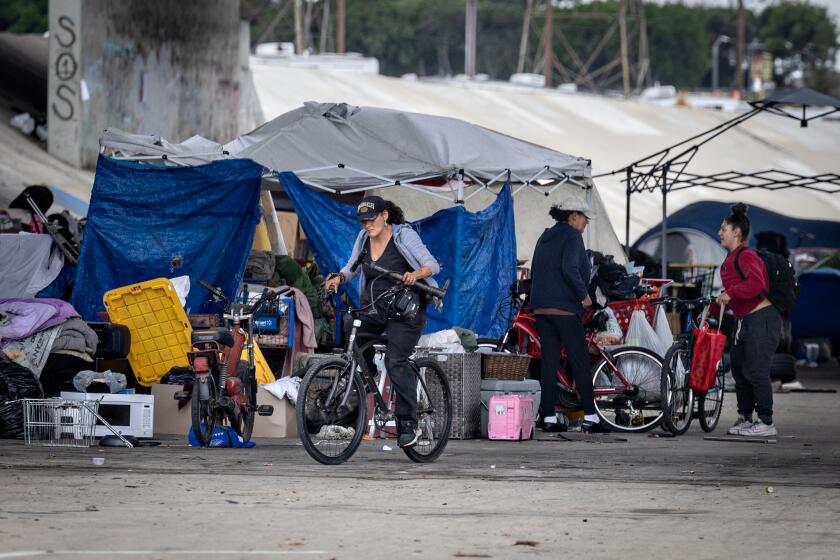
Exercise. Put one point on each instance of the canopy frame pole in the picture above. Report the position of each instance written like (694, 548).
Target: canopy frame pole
(629, 191)
(664, 234)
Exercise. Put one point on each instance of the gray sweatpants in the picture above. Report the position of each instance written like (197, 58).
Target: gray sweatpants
(757, 336)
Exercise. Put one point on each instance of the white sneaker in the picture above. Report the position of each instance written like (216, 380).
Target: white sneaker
(742, 424)
(759, 429)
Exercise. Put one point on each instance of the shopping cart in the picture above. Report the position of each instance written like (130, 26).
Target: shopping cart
(63, 423)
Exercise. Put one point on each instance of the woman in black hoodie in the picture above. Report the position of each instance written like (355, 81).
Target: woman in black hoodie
(559, 279)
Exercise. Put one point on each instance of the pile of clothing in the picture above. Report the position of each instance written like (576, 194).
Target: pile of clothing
(31, 329)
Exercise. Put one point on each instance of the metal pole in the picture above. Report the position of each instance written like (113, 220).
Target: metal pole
(664, 235)
(716, 62)
(627, 217)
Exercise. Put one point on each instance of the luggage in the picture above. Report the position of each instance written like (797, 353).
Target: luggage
(114, 340)
(493, 387)
(511, 417)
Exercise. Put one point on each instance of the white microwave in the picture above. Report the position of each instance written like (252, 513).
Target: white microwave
(131, 415)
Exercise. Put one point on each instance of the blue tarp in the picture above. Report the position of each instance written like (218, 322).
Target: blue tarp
(707, 216)
(477, 252)
(815, 313)
(149, 222)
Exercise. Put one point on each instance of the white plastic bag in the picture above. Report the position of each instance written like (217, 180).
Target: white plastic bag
(640, 333)
(447, 341)
(284, 387)
(611, 334)
(663, 329)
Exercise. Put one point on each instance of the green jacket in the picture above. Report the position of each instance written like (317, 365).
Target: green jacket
(287, 269)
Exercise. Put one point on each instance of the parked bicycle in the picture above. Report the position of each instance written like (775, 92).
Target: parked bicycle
(625, 379)
(333, 398)
(225, 386)
(677, 398)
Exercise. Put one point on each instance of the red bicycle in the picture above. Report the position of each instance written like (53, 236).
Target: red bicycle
(625, 379)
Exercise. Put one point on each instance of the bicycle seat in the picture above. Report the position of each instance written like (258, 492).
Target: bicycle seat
(217, 334)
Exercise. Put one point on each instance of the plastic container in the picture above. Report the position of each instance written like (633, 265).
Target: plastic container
(511, 417)
(493, 387)
(160, 331)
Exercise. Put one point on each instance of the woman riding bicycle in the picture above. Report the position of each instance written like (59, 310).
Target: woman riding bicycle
(387, 241)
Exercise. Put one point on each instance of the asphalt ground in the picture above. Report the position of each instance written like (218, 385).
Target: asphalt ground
(616, 496)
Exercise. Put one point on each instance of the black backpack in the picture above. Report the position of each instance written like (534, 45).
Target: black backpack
(784, 288)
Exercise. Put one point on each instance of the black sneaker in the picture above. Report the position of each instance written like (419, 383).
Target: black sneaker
(409, 433)
(588, 427)
(409, 439)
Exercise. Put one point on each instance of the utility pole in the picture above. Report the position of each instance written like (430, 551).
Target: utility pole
(739, 65)
(644, 55)
(325, 25)
(625, 59)
(523, 42)
(298, 26)
(548, 65)
(470, 38)
(341, 31)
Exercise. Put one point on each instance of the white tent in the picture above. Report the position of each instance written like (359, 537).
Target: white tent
(436, 160)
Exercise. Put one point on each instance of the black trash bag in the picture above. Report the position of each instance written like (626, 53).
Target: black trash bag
(178, 376)
(16, 382)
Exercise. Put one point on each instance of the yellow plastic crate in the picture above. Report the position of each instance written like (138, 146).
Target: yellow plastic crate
(160, 331)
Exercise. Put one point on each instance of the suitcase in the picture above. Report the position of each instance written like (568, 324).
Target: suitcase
(493, 387)
(114, 341)
(511, 417)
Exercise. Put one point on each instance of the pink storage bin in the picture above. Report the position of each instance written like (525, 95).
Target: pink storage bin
(511, 417)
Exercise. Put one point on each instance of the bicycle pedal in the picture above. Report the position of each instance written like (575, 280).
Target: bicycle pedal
(181, 395)
(265, 410)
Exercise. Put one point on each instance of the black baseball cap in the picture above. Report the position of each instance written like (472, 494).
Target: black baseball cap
(370, 207)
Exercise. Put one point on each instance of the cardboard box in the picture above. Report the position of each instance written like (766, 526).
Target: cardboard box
(169, 419)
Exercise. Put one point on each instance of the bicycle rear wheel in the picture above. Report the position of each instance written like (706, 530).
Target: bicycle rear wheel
(677, 399)
(626, 410)
(434, 412)
(330, 425)
(710, 404)
(249, 387)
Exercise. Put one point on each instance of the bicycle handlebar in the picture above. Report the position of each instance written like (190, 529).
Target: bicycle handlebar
(703, 301)
(437, 292)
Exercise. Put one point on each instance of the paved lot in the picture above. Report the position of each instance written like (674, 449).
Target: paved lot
(612, 496)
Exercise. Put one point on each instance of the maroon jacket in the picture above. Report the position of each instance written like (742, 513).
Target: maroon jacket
(747, 291)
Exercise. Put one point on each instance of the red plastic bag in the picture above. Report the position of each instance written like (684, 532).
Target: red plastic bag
(708, 351)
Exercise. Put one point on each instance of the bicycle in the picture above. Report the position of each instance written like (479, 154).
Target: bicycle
(225, 387)
(333, 398)
(677, 398)
(625, 379)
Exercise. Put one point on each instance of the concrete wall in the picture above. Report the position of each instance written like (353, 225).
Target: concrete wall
(144, 66)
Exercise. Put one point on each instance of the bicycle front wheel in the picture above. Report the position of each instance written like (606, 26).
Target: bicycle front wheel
(204, 398)
(434, 412)
(710, 404)
(331, 411)
(634, 406)
(677, 398)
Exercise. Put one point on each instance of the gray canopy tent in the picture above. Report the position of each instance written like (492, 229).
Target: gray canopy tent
(342, 149)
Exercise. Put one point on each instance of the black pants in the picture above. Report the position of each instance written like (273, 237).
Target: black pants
(757, 336)
(558, 331)
(402, 338)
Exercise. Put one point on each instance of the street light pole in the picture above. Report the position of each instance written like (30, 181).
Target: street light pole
(715, 60)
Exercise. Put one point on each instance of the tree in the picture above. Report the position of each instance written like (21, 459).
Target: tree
(24, 16)
(803, 35)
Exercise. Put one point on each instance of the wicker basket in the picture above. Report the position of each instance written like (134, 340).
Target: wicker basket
(501, 365)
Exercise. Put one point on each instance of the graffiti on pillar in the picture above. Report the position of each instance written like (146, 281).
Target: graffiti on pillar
(65, 70)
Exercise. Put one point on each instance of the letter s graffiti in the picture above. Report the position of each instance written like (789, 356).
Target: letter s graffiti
(66, 24)
(68, 113)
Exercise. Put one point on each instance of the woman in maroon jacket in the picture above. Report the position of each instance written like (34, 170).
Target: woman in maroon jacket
(758, 328)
